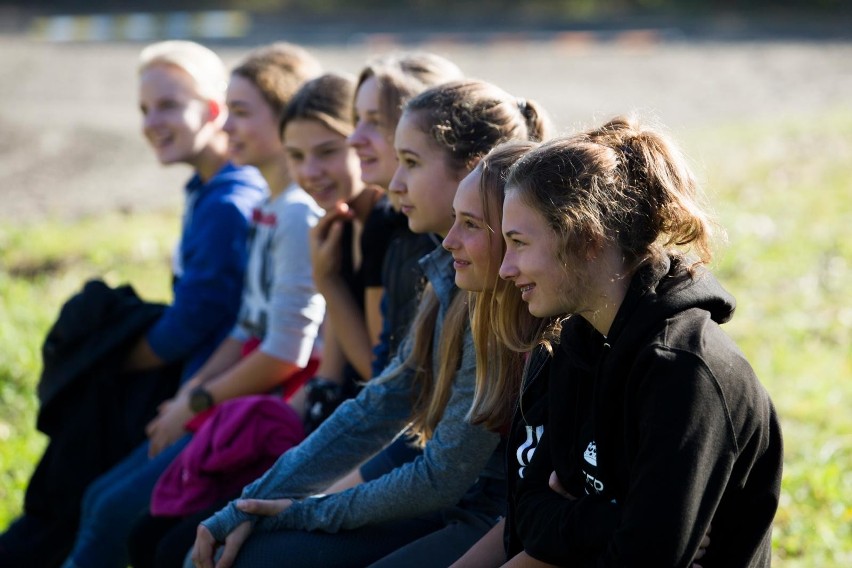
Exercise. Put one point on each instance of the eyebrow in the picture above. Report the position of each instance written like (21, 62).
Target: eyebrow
(402, 151)
(368, 113)
(468, 214)
(512, 233)
(328, 144)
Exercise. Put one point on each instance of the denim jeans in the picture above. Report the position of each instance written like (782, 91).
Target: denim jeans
(113, 502)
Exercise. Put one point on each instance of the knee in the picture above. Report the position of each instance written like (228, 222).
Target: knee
(106, 502)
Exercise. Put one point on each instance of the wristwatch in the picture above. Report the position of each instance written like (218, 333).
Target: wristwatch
(200, 399)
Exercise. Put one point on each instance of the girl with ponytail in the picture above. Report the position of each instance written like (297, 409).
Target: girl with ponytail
(655, 426)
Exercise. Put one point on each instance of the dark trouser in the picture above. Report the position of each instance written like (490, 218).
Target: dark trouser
(433, 541)
(440, 548)
(35, 541)
(162, 542)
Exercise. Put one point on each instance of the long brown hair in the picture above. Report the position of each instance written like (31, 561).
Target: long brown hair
(622, 184)
(466, 119)
(401, 76)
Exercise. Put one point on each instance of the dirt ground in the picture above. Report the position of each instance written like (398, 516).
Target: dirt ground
(69, 127)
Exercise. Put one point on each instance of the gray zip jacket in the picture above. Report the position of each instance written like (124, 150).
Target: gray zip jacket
(450, 464)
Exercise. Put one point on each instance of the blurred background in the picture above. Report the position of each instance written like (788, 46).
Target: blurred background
(68, 84)
(758, 92)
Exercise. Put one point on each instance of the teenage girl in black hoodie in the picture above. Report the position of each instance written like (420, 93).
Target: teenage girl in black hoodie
(652, 427)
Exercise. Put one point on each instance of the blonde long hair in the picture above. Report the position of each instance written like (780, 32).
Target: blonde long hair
(500, 319)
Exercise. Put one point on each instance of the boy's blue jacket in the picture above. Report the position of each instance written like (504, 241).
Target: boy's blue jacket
(210, 266)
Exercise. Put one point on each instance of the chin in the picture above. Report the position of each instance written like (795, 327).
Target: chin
(538, 311)
(369, 177)
(326, 204)
(468, 284)
(170, 158)
(237, 159)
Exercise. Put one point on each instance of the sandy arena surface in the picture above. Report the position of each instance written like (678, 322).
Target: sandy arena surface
(69, 127)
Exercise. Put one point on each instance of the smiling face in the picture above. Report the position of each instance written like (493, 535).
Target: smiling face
(252, 126)
(533, 263)
(477, 249)
(322, 162)
(176, 121)
(424, 180)
(372, 140)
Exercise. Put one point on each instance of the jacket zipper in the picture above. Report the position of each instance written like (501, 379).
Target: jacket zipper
(533, 375)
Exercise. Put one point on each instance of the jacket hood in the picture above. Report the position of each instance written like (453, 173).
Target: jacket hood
(231, 173)
(228, 176)
(659, 291)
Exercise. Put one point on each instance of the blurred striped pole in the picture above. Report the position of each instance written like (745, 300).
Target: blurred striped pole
(142, 26)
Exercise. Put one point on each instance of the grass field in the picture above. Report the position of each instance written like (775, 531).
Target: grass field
(783, 192)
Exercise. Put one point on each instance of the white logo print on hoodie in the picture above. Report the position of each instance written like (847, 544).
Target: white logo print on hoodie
(594, 486)
(527, 449)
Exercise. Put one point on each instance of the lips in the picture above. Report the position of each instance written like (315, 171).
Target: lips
(160, 140)
(325, 196)
(459, 263)
(525, 290)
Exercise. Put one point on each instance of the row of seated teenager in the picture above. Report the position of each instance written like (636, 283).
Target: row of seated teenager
(392, 293)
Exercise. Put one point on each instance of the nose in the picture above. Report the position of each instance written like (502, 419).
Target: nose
(508, 268)
(311, 167)
(149, 119)
(450, 242)
(397, 182)
(229, 124)
(357, 137)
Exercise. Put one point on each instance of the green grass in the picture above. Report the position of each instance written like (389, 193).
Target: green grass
(41, 265)
(783, 192)
(781, 189)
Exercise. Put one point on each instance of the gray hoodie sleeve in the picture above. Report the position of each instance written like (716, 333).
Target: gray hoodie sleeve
(295, 308)
(358, 429)
(449, 465)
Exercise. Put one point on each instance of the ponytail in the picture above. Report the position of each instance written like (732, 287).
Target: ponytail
(538, 124)
(470, 117)
(658, 170)
(619, 183)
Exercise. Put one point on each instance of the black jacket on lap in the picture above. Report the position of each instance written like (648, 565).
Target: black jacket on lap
(93, 413)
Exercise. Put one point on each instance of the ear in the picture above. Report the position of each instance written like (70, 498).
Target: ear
(594, 246)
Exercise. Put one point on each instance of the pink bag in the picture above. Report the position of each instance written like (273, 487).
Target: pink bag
(233, 447)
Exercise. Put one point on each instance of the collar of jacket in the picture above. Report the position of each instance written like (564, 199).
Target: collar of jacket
(438, 268)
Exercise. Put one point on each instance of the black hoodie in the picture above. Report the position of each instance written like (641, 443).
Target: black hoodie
(659, 430)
